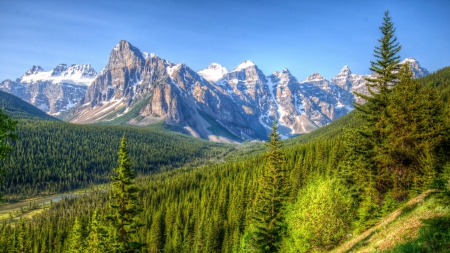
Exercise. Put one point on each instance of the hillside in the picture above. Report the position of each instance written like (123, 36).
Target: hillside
(195, 208)
(16, 108)
(441, 81)
(420, 225)
(50, 156)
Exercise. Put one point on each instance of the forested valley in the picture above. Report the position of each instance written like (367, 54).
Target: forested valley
(307, 194)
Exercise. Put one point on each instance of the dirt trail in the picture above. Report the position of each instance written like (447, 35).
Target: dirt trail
(346, 247)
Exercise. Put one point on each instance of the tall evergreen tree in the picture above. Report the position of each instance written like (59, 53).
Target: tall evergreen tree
(415, 131)
(366, 162)
(125, 204)
(268, 219)
(97, 239)
(76, 240)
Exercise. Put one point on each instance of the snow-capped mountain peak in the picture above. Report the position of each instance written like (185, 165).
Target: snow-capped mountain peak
(346, 70)
(244, 65)
(417, 70)
(213, 72)
(81, 74)
(286, 71)
(74, 71)
(148, 55)
(409, 59)
(33, 70)
(345, 73)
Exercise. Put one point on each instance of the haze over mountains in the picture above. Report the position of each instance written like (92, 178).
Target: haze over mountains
(215, 103)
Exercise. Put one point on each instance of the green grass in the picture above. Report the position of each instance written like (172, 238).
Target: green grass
(420, 225)
(434, 236)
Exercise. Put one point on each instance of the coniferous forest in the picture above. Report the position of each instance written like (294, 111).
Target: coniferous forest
(167, 192)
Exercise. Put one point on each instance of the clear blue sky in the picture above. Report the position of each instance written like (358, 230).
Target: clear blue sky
(303, 36)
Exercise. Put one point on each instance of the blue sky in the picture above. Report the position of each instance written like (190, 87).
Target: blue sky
(303, 36)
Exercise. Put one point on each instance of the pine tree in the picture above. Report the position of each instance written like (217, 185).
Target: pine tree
(97, 238)
(76, 240)
(125, 204)
(415, 131)
(366, 159)
(268, 220)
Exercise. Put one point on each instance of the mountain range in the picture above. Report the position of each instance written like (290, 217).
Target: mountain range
(214, 103)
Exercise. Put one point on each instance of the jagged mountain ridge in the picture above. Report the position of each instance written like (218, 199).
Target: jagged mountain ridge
(153, 90)
(139, 88)
(52, 91)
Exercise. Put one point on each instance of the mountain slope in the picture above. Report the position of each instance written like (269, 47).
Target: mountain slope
(16, 108)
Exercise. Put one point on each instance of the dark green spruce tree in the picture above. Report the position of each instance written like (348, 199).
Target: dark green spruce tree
(124, 203)
(415, 135)
(267, 223)
(367, 166)
(76, 241)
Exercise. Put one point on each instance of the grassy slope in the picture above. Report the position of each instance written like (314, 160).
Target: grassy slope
(402, 227)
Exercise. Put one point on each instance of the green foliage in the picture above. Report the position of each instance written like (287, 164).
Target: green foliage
(400, 146)
(190, 209)
(7, 126)
(268, 219)
(97, 239)
(124, 204)
(440, 80)
(50, 157)
(76, 243)
(415, 135)
(386, 64)
(320, 218)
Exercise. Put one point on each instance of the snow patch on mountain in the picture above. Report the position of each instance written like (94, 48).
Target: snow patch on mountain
(244, 65)
(82, 74)
(213, 72)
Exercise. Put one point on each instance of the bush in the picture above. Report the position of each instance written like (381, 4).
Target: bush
(320, 218)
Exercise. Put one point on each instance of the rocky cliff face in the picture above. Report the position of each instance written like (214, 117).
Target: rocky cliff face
(53, 91)
(137, 90)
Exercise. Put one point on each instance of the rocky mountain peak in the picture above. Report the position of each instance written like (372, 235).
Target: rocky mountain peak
(125, 55)
(284, 74)
(244, 65)
(345, 71)
(74, 71)
(417, 70)
(315, 76)
(33, 70)
(59, 69)
(213, 72)
(286, 71)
